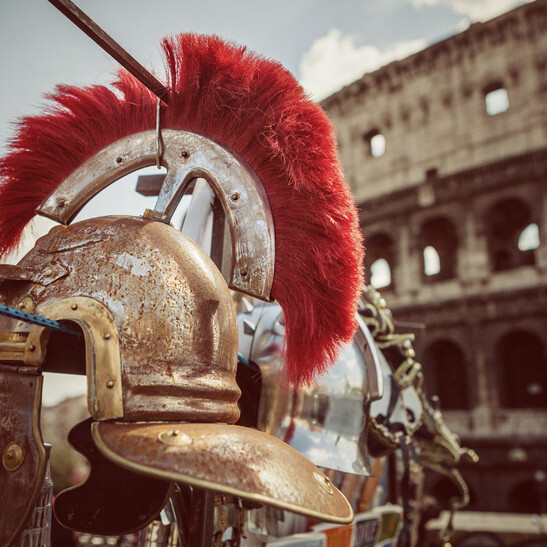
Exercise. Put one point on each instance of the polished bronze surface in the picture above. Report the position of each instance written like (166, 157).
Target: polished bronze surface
(103, 365)
(225, 458)
(12, 346)
(13, 457)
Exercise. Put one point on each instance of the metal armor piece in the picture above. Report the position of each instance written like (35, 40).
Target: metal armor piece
(327, 421)
(22, 450)
(158, 322)
(398, 414)
(172, 312)
(225, 458)
(187, 157)
(399, 410)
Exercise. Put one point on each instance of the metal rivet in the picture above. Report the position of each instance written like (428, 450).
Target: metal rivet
(110, 384)
(107, 336)
(119, 159)
(234, 196)
(324, 482)
(74, 307)
(174, 437)
(26, 304)
(31, 347)
(13, 456)
(48, 271)
(184, 153)
(244, 273)
(61, 203)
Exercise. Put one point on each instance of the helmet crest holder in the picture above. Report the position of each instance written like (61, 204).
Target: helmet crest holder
(187, 156)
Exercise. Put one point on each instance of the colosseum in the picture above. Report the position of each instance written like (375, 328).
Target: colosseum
(446, 153)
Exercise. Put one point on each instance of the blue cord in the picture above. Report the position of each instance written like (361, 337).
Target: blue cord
(14, 313)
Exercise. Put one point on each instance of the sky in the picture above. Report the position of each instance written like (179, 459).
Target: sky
(326, 44)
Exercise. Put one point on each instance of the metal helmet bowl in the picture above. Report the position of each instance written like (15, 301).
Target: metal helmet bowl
(168, 317)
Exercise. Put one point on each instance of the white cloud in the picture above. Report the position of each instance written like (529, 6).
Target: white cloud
(336, 60)
(475, 10)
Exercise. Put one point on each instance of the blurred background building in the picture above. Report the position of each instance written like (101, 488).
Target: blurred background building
(446, 153)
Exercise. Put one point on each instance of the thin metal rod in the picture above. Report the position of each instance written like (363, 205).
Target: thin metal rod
(100, 37)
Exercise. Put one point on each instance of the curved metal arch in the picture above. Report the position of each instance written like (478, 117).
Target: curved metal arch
(187, 156)
(103, 365)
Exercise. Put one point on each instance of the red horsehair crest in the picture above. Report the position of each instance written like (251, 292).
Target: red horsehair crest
(256, 108)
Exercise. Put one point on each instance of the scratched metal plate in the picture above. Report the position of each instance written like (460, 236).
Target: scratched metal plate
(225, 458)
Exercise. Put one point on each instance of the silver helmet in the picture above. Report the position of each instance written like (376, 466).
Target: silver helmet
(327, 421)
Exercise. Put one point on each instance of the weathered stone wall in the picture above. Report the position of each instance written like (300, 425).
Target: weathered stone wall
(466, 183)
(431, 108)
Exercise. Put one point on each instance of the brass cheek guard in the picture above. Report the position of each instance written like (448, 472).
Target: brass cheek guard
(186, 156)
(103, 366)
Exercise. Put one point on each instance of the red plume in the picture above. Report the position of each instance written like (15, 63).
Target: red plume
(257, 108)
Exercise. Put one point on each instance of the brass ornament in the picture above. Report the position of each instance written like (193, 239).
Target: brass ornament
(13, 457)
(174, 437)
(26, 304)
(324, 482)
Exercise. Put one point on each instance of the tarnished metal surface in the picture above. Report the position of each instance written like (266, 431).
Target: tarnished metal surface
(37, 531)
(44, 277)
(398, 414)
(186, 156)
(12, 346)
(327, 421)
(409, 414)
(23, 453)
(103, 366)
(226, 458)
(440, 449)
(173, 312)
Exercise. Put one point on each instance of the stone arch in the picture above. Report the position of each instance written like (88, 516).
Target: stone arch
(505, 222)
(380, 253)
(522, 365)
(445, 374)
(439, 234)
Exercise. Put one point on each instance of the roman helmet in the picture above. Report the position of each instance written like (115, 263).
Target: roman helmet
(145, 313)
(326, 421)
